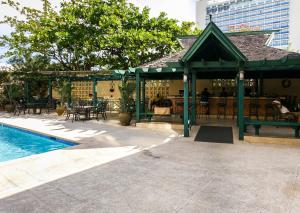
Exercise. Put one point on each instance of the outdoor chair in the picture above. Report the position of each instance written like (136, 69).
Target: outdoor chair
(254, 107)
(78, 112)
(20, 107)
(51, 105)
(70, 112)
(100, 109)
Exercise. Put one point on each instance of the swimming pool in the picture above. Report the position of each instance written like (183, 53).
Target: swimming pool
(17, 143)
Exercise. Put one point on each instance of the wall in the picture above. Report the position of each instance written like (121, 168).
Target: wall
(55, 94)
(201, 13)
(103, 88)
(294, 26)
(274, 87)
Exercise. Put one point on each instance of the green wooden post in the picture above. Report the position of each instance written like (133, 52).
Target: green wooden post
(143, 95)
(186, 131)
(138, 96)
(70, 92)
(236, 99)
(194, 105)
(49, 90)
(241, 105)
(26, 92)
(94, 92)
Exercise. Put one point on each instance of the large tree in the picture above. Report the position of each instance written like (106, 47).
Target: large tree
(86, 33)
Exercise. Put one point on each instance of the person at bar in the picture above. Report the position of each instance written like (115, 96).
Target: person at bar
(284, 111)
(204, 96)
(204, 102)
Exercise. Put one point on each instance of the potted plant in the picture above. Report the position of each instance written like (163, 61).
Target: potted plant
(13, 93)
(126, 101)
(64, 89)
(3, 101)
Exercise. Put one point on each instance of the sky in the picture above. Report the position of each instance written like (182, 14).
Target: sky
(182, 10)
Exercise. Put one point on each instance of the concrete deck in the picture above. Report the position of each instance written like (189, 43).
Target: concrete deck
(117, 169)
(98, 143)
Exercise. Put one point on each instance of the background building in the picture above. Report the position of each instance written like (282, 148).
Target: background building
(252, 15)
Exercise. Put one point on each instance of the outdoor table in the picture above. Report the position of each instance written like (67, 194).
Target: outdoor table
(87, 110)
(35, 107)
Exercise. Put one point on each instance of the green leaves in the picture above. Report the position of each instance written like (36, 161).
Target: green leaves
(86, 33)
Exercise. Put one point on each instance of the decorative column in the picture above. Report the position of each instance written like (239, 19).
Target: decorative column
(26, 91)
(194, 105)
(49, 91)
(138, 96)
(236, 98)
(69, 92)
(94, 92)
(186, 121)
(143, 95)
(241, 105)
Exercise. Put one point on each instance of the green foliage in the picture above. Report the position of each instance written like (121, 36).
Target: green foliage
(3, 100)
(4, 77)
(126, 92)
(13, 92)
(85, 33)
(64, 89)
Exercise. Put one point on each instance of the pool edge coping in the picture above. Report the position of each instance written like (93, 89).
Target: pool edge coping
(76, 143)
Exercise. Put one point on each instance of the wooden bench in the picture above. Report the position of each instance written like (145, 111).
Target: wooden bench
(257, 124)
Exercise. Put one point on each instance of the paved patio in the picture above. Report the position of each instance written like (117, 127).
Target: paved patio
(158, 172)
(98, 143)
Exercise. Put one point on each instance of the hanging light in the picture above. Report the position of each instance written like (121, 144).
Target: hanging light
(242, 75)
(112, 86)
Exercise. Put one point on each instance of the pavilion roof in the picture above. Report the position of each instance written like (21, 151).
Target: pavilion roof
(252, 45)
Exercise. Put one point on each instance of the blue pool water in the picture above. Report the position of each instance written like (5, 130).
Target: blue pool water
(16, 143)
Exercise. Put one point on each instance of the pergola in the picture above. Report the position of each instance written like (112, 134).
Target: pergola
(75, 76)
(215, 55)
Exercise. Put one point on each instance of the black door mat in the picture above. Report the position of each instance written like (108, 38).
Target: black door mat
(215, 134)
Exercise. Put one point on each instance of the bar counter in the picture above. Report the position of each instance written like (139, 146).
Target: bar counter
(177, 103)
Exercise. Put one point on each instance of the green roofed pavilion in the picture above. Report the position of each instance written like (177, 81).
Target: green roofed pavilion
(215, 55)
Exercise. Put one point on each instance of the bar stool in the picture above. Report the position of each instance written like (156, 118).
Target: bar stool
(222, 105)
(253, 107)
(269, 111)
(294, 103)
(178, 108)
(234, 108)
(204, 109)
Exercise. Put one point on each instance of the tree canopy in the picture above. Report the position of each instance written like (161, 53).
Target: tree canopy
(87, 33)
